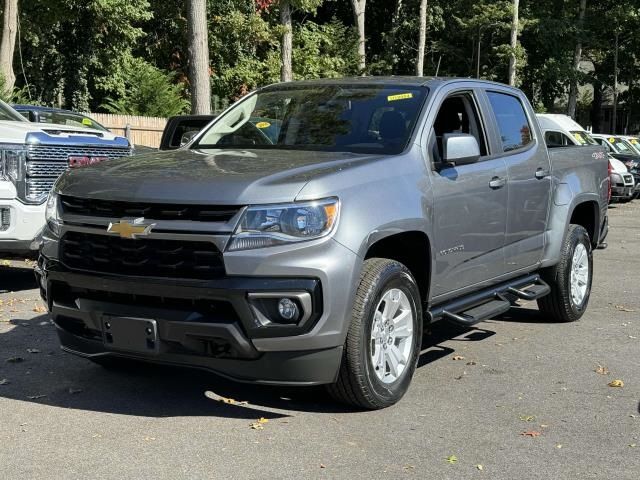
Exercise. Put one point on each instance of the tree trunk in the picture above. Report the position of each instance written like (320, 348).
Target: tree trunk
(286, 73)
(577, 58)
(8, 43)
(422, 38)
(198, 42)
(614, 114)
(596, 108)
(514, 43)
(359, 7)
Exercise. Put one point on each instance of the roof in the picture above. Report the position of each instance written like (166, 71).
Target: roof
(404, 81)
(40, 108)
(558, 121)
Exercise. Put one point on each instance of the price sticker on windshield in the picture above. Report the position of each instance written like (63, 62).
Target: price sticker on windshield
(399, 96)
(263, 125)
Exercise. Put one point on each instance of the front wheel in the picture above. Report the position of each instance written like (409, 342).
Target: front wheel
(384, 338)
(570, 280)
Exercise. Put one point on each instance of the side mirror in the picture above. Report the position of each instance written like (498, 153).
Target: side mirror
(460, 148)
(187, 137)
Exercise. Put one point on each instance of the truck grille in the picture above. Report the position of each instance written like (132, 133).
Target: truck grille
(628, 179)
(45, 163)
(141, 257)
(154, 211)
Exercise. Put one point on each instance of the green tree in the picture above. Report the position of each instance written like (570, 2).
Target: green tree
(148, 91)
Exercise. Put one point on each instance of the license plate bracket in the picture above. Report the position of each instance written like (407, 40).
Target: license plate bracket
(130, 334)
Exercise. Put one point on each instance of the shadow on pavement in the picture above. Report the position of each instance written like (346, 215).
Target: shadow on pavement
(523, 315)
(15, 279)
(52, 377)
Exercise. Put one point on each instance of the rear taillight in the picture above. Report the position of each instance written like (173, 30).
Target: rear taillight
(609, 169)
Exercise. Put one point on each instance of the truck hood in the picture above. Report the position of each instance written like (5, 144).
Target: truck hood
(211, 176)
(618, 166)
(16, 132)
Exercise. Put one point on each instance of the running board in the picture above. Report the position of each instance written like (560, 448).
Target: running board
(490, 302)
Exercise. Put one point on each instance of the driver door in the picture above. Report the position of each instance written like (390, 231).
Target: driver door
(470, 202)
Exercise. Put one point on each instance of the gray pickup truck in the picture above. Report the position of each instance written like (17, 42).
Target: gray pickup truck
(307, 234)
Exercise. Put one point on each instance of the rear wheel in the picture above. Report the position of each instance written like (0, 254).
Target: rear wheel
(570, 280)
(384, 338)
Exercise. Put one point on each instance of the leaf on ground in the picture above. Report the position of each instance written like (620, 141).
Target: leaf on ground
(406, 468)
(39, 309)
(451, 459)
(616, 383)
(148, 439)
(457, 357)
(479, 467)
(531, 433)
(73, 391)
(602, 370)
(322, 465)
(33, 350)
(5, 263)
(259, 424)
(622, 308)
(15, 359)
(527, 418)
(35, 397)
(4, 381)
(471, 363)
(633, 445)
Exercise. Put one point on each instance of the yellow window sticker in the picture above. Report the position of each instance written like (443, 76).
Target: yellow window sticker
(612, 140)
(87, 121)
(263, 124)
(399, 96)
(634, 141)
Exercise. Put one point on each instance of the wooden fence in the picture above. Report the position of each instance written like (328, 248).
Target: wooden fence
(139, 130)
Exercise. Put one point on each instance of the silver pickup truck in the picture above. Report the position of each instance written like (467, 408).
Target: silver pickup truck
(307, 235)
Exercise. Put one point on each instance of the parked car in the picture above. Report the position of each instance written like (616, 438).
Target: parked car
(634, 142)
(625, 185)
(32, 157)
(314, 255)
(58, 116)
(562, 131)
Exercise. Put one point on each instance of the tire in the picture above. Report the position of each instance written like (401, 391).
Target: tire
(359, 380)
(561, 305)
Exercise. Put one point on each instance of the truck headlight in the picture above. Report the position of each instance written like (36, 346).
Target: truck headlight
(270, 225)
(12, 161)
(52, 214)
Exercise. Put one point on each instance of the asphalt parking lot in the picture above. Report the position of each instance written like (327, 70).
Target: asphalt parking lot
(516, 398)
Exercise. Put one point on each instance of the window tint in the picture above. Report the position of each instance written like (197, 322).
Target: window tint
(515, 131)
(556, 139)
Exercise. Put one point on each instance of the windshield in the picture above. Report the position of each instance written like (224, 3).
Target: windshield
(635, 144)
(69, 119)
(622, 146)
(347, 118)
(8, 113)
(583, 138)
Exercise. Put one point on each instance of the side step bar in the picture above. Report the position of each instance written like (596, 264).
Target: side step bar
(490, 302)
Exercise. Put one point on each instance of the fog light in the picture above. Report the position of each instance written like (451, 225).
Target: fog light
(288, 309)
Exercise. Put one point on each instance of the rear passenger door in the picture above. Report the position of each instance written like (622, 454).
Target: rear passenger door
(529, 179)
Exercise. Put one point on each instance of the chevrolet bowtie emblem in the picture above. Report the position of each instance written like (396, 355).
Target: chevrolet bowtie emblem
(132, 229)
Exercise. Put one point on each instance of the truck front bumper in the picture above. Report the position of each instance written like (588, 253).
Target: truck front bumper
(22, 226)
(622, 193)
(211, 324)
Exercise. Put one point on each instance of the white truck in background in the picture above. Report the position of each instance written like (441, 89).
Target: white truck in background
(32, 157)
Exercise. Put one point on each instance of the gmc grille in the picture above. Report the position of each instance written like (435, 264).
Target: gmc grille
(45, 163)
(141, 257)
(152, 211)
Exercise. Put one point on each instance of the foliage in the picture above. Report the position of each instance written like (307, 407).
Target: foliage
(78, 54)
(148, 91)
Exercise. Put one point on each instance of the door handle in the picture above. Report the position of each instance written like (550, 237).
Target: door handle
(497, 182)
(542, 173)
